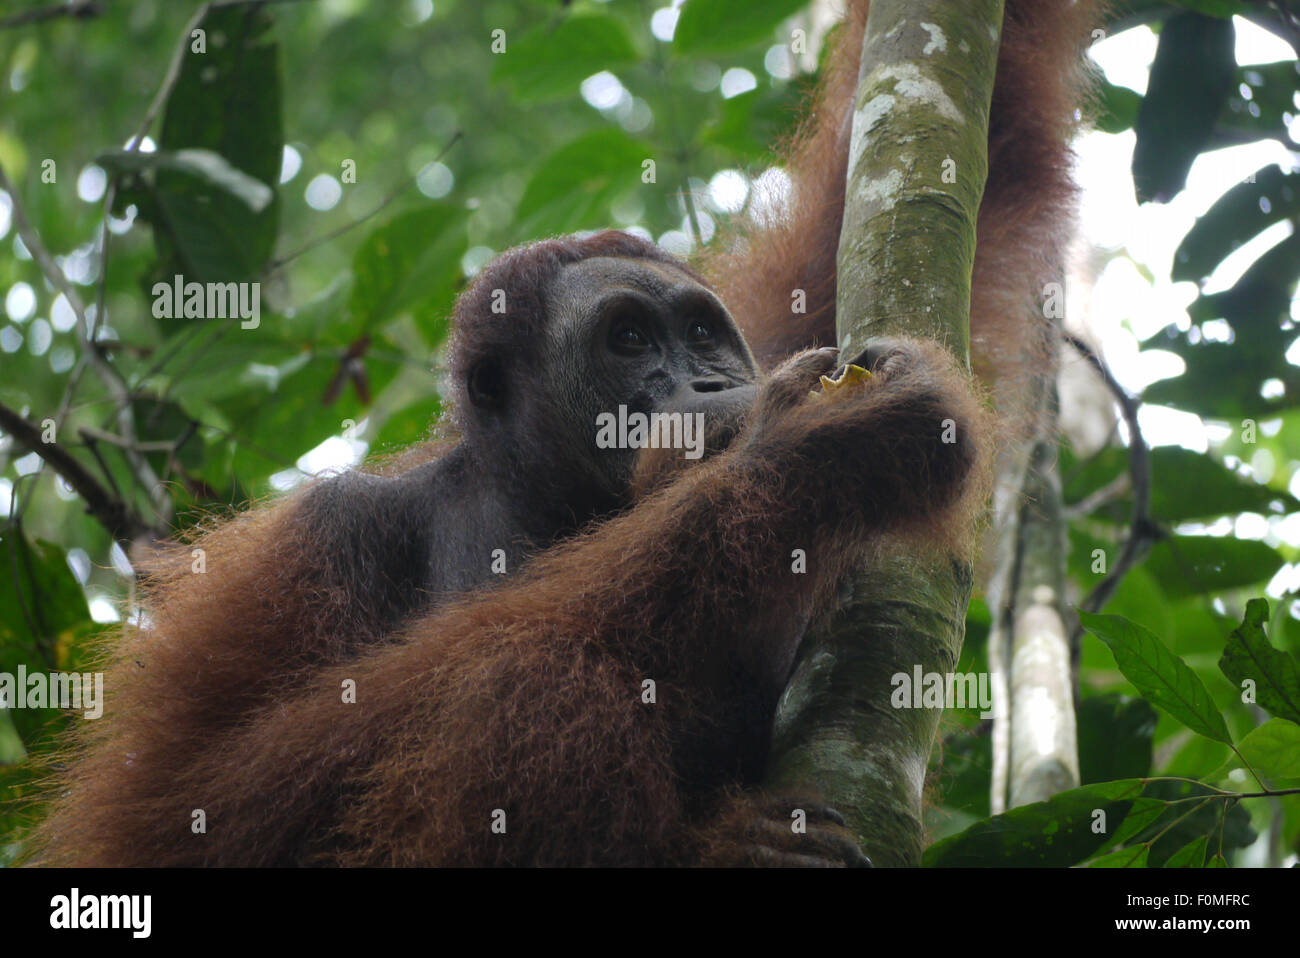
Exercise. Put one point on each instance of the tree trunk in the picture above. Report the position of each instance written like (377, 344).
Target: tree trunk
(917, 168)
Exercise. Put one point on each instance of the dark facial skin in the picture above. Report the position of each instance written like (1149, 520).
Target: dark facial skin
(619, 332)
(646, 336)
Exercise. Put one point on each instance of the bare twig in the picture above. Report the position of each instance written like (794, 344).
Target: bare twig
(1117, 488)
(101, 292)
(338, 231)
(91, 352)
(222, 4)
(40, 254)
(93, 448)
(90, 433)
(86, 322)
(170, 79)
(1142, 531)
(77, 9)
(692, 215)
(1285, 23)
(108, 373)
(179, 341)
(122, 522)
(178, 58)
(1125, 19)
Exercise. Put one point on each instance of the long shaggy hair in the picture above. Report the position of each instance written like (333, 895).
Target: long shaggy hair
(524, 700)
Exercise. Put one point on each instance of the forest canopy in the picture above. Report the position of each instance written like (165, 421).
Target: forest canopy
(360, 162)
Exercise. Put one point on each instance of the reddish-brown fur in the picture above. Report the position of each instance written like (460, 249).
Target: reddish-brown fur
(527, 697)
(1024, 222)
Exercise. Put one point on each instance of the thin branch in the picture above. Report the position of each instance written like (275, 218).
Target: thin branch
(30, 607)
(39, 253)
(1284, 23)
(101, 294)
(1127, 19)
(222, 4)
(189, 336)
(91, 353)
(170, 79)
(93, 447)
(178, 58)
(110, 375)
(692, 215)
(122, 522)
(1142, 531)
(90, 433)
(77, 9)
(338, 231)
(105, 235)
(1117, 488)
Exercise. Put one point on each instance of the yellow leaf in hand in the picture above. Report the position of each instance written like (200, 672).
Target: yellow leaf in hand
(853, 376)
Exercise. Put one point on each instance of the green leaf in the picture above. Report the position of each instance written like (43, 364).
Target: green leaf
(734, 127)
(43, 616)
(1249, 656)
(1273, 751)
(745, 127)
(226, 101)
(222, 368)
(1118, 108)
(163, 421)
(1257, 308)
(1135, 856)
(201, 164)
(1115, 733)
(718, 25)
(1144, 813)
(39, 596)
(1055, 833)
(1189, 83)
(1236, 371)
(11, 743)
(407, 425)
(1082, 478)
(962, 775)
(1146, 11)
(1216, 8)
(1260, 300)
(1196, 758)
(324, 319)
(1199, 565)
(1217, 861)
(1162, 677)
(1185, 485)
(1192, 485)
(572, 188)
(551, 61)
(412, 262)
(1191, 855)
(1238, 215)
(272, 431)
(1265, 114)
(1185, 821)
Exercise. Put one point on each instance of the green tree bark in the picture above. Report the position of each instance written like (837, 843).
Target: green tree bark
(917, 168)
